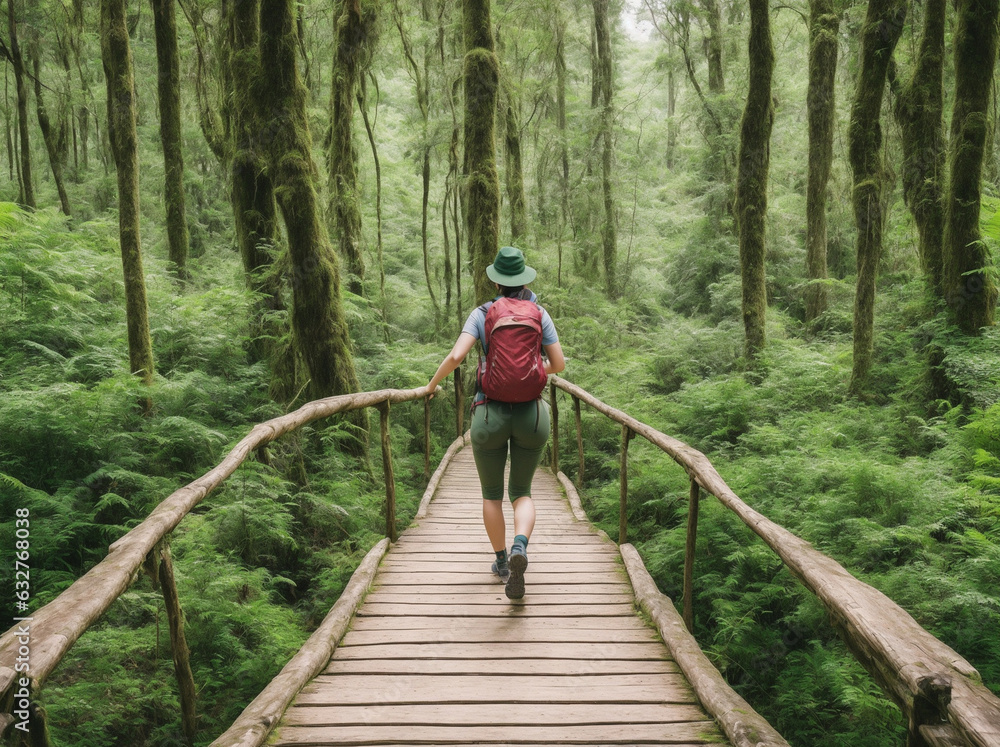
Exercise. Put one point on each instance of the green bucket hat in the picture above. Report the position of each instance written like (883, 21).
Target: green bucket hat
(509, 269)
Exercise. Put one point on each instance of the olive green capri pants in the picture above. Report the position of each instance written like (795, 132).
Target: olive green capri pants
(525, 427)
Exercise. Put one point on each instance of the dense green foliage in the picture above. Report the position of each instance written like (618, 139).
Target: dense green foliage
(903, 488)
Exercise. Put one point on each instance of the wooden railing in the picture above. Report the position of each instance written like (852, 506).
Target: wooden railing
(31, 649)
(939, 692)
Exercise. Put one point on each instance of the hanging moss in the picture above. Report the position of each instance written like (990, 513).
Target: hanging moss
(968, 284)
(354, 26)
(752, 173)
(919, 113)
(882, 28)
(117, 57)
(169, 90)
(821, 106)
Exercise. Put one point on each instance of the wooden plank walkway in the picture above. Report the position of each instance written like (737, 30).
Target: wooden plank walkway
(438, 655)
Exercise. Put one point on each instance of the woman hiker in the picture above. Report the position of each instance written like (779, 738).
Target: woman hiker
(508, 411)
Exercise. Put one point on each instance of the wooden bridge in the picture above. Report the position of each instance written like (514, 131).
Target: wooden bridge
(424, 648)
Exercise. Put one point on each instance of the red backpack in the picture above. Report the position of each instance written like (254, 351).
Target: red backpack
(513, 371)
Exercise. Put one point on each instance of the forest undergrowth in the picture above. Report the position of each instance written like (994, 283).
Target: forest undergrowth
(903, 493)
(901, 486)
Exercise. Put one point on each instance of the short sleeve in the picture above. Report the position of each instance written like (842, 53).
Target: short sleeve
(475, 325)
(549, 335)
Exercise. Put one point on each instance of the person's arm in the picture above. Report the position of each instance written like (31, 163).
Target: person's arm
(452, 361)
(556, 361)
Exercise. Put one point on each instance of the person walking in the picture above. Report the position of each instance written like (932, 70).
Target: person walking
(508, 411)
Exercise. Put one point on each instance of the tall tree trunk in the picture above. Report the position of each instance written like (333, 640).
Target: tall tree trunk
(482, 78)
(824, 23)
(420, 73)
(751, 179)
(456, 199)
(27, 190)
(560, 23)
(6, 123)
(713, 47)
(318, 318)
(919, 112)
(48, 136)
(879, 35)
(672, 125)
(513, 169)
(254, 211)
(969, 289)
(369, 128)
(609, 233)
(169, 90)
(352, 28)
(117, 57)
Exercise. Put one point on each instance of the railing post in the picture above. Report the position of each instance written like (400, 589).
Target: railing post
(178, 644)
(579, 440)
(390, 480)
(427, 440)
(459, 396)
(555, 429)
(623, 487)
(692, 537)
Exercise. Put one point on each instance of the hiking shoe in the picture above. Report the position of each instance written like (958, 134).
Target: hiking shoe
(503, 573)
(518, 562)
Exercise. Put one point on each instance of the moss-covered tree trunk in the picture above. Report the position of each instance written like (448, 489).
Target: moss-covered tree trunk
(254, 211)
(318, 320)
(117, 57)
(513, 168)
(968, 284)
(561, 74)
(879, 35)
(609, 228)
(168, 80)
(824, 22)
(919, 112)
(27, 196)
(353, 26)
(10, 141)
(751, 181)
(482, 79)
(49, 135)
(713, 47)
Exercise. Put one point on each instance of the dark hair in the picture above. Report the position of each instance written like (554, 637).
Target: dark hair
(510, 291)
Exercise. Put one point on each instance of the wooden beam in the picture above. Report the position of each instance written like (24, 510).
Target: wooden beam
(554, 407)
(427, 439)
(627, 436)
(689, 552)
(579, 440)
(390, 477)
(58, 625)
(741, 724)
(178, 645)
(883, 636)
(258, 719)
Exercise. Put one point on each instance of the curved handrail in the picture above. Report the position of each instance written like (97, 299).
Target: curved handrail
(56, 627)
(926, 678)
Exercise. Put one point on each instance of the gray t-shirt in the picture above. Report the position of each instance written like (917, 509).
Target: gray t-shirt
(475, 325)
